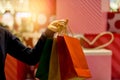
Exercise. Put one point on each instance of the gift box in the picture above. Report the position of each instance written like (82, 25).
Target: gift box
(11, 66)
(99, 62)
(20, 70)
(113, 22)
(114, 47)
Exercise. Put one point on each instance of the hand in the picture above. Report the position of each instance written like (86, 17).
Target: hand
(58, 25)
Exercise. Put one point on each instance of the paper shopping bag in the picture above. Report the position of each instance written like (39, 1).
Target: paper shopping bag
(43, 66)
(71, 58)
(54, 73)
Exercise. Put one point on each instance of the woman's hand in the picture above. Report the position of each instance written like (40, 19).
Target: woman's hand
(58, 25)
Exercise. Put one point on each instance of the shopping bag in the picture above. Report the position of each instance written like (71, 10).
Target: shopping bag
(54, 72)
(43, 66)
(71, 58)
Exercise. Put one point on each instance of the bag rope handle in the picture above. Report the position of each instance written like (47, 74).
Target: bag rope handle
(63, 29)
(97, 37)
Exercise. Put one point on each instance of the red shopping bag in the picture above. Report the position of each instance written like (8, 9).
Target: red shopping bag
(71, 58)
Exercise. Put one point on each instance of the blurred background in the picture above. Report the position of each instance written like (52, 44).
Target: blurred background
(27, 19)
(27, 15)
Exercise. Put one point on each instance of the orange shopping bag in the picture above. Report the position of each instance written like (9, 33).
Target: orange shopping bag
(71, 58)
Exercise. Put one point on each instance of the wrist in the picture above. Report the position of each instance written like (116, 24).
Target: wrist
(49, 33)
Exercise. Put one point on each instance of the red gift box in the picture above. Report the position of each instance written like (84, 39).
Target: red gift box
(114, 46)
(113, 22)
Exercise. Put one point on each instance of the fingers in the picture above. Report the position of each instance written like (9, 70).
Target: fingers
(58, 25)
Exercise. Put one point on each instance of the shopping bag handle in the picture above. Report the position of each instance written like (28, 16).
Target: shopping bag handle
(66, 30)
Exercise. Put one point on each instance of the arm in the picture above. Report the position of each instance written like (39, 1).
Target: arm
(30, 56)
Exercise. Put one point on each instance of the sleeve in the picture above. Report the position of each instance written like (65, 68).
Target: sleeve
(27, 55)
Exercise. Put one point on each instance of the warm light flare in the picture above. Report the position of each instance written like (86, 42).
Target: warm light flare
(42, 19)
